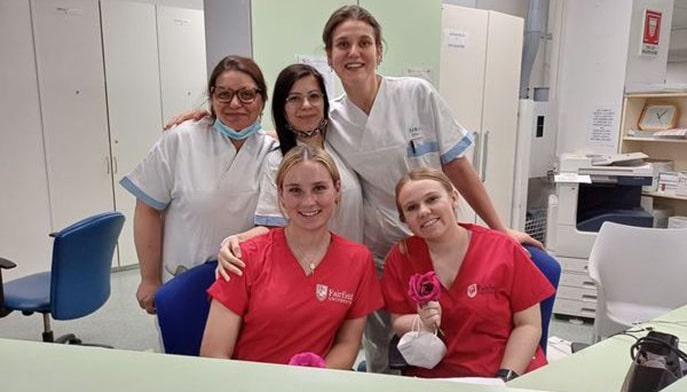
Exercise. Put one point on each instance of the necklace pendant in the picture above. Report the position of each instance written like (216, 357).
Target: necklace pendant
(312, 267)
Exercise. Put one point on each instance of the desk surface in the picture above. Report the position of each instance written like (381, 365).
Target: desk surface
(603, 366)
(32, 366)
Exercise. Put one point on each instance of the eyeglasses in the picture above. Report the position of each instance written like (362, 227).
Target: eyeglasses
(225, 95)
(315, 98)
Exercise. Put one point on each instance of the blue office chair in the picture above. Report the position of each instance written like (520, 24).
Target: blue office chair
(78, 282)
(182, 306)
(548, 266)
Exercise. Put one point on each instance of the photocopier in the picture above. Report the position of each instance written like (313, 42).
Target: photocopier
(591, 189)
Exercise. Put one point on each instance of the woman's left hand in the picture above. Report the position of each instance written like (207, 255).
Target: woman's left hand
(524, 238)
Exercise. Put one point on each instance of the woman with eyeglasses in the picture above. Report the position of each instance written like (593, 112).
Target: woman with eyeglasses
(300, 108)
(198, 184)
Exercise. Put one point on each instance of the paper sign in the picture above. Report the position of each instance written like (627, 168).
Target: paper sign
(321, 65)
(573, 178)
(456, 38)
(422, 73)
(603, 126)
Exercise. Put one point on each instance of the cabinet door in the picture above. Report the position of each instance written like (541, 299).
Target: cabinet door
(24, 204)
(500, 110)
(181, 41)
(72, 95)
(133, 97)
(461, 81)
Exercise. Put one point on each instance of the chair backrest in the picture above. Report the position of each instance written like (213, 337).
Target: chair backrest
(182, 306)
(81, 263)
(552, 270)
(639, 273)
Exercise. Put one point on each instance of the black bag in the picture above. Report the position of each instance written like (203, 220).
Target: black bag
(655, 363)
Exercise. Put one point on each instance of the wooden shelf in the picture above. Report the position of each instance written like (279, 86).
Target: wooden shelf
(653, 139)
(664, 195)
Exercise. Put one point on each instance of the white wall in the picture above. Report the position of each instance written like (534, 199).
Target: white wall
(648, 70)
(593, 47)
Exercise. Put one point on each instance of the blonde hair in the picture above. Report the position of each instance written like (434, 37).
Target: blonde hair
(304, 153)
(418, 174)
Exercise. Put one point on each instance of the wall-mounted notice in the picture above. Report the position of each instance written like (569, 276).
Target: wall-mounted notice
(603, 127)
(456, 38)
(320, 64)
(422, 73)
(651, 33)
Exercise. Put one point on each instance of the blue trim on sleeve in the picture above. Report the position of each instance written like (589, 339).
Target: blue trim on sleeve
(136, 191)
(458, 150)
(419, 149)
(275, 221)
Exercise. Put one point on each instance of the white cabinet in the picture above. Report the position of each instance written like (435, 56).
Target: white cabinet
(133, 99)
(72, 103)
(479, 78)
(24, 203)
(181, 43)
(83, 110)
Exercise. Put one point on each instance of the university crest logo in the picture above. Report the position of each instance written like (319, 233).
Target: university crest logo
(321, 292)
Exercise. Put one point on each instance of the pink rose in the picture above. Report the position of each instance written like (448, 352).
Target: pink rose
(307, 359)
(424, 288)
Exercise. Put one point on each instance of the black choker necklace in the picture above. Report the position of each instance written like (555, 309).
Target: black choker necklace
(319, 130)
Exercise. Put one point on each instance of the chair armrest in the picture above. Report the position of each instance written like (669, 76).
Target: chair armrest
(6, 264)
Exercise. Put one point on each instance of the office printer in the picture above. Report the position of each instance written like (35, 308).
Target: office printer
(592, 189)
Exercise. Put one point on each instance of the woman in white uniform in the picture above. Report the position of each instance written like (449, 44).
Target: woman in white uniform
(199, 182)
(299, 109)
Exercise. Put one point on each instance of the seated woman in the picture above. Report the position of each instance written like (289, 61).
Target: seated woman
(488, 309)
(303, 289)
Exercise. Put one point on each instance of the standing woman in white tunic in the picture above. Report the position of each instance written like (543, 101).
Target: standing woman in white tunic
(300, 109)
(383, 127)
(200, 181)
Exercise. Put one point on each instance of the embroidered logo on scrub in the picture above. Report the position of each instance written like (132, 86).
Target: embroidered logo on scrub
(323, 292)
(475, 289)
(472, 290)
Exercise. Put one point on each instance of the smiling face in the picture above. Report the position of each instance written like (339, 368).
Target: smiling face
(354, 53)
(309, 195)
(304, 105)
(236, 114)
(428, 208)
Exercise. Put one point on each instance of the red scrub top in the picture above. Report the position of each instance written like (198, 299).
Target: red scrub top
(285, 311)
(496, 279)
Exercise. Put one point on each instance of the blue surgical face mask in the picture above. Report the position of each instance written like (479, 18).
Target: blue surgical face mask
(232, 134)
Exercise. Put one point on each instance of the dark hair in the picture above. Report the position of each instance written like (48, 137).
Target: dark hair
(240, 64)
(346, 13)
(282, 87)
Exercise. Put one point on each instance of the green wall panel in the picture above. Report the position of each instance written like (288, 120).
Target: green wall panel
(284, 29)
(412, 33)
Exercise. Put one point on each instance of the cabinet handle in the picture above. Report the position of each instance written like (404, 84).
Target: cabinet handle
(107, 165)
(485, 155)
(116, 166)
(587, 297)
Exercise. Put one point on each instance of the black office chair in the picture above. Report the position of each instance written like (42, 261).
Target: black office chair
(548, 266)
(78, 282)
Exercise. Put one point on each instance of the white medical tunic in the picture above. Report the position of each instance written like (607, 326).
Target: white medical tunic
(348, 219)
(409, 126)
(206, 189)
